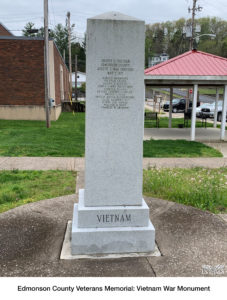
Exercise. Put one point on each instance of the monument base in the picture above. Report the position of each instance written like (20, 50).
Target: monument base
(66, 252)
(116, 239)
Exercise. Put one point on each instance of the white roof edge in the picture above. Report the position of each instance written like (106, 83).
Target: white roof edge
(184, 77)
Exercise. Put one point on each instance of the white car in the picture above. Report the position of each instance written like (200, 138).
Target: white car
(209, 110)
(199, 108)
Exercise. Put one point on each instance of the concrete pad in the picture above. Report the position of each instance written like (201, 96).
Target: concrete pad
(185, 162)
(67, 254)
(79, 163)
(201, 134)
(223, 216)
(3, 159)
(31, 243)
(62, 163)
(189, 238)
(221, 146)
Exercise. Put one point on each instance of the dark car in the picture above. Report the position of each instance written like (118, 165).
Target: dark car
(177, 104)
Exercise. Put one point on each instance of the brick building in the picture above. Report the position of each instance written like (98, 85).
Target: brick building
(22, 94)
(4, 31)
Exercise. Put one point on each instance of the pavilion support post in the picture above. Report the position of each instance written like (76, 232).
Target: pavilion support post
(170, 106)
(193, 117)
(187, 100)
(223, 117)
(216, 108)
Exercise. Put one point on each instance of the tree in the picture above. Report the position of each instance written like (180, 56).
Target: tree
(61, 40)
(224, 47)
(148, 46)
(27, 30)
(60, 37)
(168, 37)
(78, 49)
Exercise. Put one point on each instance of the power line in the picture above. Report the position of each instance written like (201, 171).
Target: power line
(53, 12)
(215, 4)
(21, 20)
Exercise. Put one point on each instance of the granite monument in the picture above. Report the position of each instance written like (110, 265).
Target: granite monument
(111, 215)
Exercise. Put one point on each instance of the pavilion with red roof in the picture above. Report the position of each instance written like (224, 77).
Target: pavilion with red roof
(191, 69)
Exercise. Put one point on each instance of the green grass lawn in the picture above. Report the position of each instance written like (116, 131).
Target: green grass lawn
(199, 187)
(32, 138)
(212, 92)
(166, 93)
(179, 148)
(66, 138)
(21, 187)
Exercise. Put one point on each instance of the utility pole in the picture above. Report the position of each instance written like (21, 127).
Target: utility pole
(70, 58)
(76, 77)
(64, 55)
(193, 22)
(46, 63)
(193, 10)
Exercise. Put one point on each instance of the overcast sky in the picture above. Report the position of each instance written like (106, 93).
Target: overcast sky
(15, 14)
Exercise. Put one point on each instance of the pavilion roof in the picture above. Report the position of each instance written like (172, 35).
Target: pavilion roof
(191, 63)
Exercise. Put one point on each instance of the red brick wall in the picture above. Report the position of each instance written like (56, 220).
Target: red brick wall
(21, 72)
(4, 31)
(57, 62)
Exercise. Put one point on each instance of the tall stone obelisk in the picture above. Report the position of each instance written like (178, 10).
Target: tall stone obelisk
(111, 216)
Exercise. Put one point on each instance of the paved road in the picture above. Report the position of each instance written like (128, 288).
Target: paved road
(202, 98)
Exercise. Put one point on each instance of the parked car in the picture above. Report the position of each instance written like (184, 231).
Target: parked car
(199, 109)
(165, 106)
(177, 104)
(208, 111)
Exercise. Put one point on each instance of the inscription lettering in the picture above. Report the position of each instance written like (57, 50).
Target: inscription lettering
(114, 90)
(114, 218)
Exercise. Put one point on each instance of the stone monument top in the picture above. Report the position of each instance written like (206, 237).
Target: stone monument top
(114, 15)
